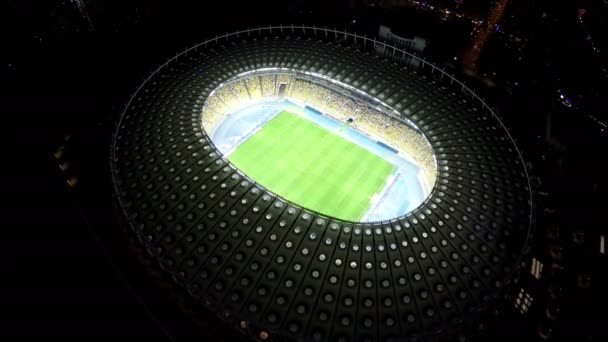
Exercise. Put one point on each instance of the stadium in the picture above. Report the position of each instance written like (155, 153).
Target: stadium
(305, 183)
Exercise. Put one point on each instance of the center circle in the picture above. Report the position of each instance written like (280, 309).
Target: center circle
(321, 144)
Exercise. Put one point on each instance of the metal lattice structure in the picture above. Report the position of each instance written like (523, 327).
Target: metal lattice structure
(277, 271)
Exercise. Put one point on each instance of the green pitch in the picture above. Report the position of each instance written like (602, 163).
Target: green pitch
(312, 166)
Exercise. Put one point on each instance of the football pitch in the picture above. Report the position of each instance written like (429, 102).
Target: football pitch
(313, 167)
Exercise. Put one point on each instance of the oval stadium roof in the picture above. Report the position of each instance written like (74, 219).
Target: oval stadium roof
(277, 271)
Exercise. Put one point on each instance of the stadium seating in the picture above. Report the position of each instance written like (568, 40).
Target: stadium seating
(366, 118)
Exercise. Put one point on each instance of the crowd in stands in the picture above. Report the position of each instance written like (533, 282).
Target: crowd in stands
(254, 86)
(283, 78)
(237, 90)
(322, 99)
(269, 85)
(364, 116)
(238, 94)
(213, 112)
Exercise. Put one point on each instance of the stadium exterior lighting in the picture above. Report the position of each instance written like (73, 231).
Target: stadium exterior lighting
(199, 217)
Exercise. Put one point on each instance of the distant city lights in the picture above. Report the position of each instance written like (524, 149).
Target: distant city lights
(472, 54)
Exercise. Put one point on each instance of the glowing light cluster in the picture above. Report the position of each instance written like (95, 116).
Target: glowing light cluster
(471, 58)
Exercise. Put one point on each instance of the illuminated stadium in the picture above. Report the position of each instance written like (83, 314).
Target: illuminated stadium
(342, 156)
(311, 184)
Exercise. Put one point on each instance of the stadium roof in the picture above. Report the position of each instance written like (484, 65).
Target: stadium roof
(277, 271)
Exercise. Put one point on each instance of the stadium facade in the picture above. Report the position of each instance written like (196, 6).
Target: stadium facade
(277, 271)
